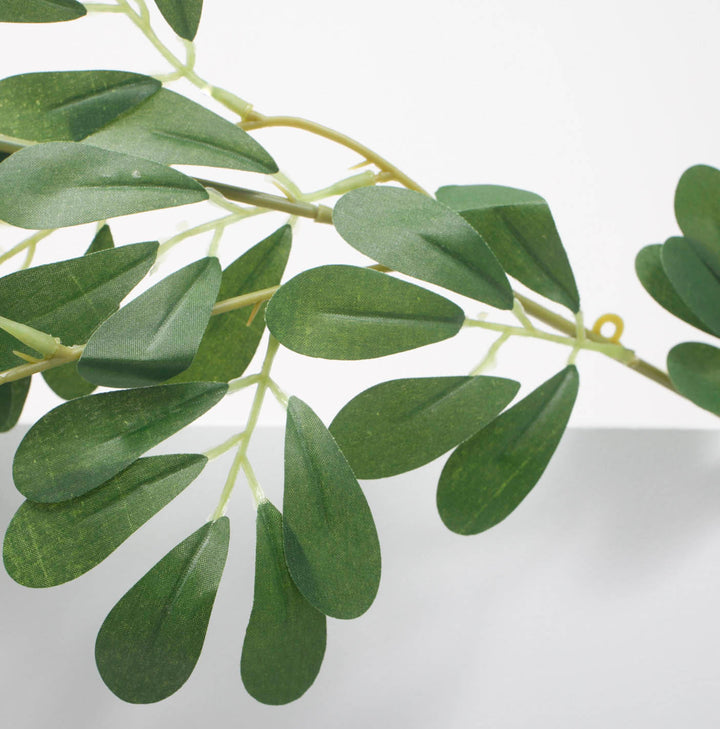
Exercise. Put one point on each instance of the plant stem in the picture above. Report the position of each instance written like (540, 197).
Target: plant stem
(62, 356)
(28, 243)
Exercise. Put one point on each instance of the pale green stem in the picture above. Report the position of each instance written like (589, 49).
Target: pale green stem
(280, 395)
(488, 360)
(257, 492)
(30, 242)
(212, 225)
(103, 8)
(287, 186)
(224, 447)
(579, 337)
(32, 249)
(214, 246)
(521, 316)
(242, 382)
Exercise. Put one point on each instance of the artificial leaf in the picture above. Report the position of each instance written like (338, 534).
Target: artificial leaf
(331, 545)
(285, 637)
(40, 11)
(519, 228)
(488, 476)
(416, 235)
(228, 345)
(399, 425)
(12, 401)
(58, 106)
(85, 442)
(151, 640)
(170, 129)
(183, 16)
(694, 369)
(59, 184)
(346, 312)
(49, 544)
(102, 241)
(157, 334)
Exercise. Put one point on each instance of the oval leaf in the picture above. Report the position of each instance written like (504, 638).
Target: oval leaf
(151, 640)
(488, 476)
(157, 334)
(345, 312)
(12, 402)
(285, 638)
(331, 545)
(694, 369)
(399, 425)
(49, 544)
(520, 230)
(85, 442)
(183, 16)
(59, 184)
(416, 235)
(40, 11)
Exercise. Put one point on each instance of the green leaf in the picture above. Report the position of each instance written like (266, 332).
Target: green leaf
(151, 640)
(399, 425)
(102, 241)
(697, 284)
(519, 228)
(12, 401)
(487, 477)
(59, 184)
(416, 235)
(331, 545)
(170, 129)
(40, 11)
(346, 312)
(650, 271)
(59, 106)
(228, 344)
(156, 335)
(183, 16)
(694, 369)
(70, 298)
(49, 544)
(85, 442)
(285, 638)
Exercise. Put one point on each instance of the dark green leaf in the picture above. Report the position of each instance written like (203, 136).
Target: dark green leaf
(49, 544)
(331, 545)
(66, 106)
(519, 228)
(156, 335)
(85, 442)
(416, 235)
(59, 184)
(228, 344)
(285, 638)
(183, 16)
(488, 476)
(151, 640)
(694, 369)
(399, 425)
(40, 11)
(102, 241)
(345, 312)
(12, 401)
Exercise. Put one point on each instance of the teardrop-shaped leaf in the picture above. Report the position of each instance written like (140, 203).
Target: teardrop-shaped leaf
(102, 241)
(151, 640)
(12, 401)
(519, 228)
(59, 184)
(331, 545)
(416, 235)
(399, 425)
(694, 369)
(70, 298)
(59, 106)
(156, 335)
(183, 16)
(285, 638)
(49, 544)
(228, 344)
(40, 11)
(85, 442)
(488, 476)
(650, 271)
(170, 129)
(696, 283)
(346, 312)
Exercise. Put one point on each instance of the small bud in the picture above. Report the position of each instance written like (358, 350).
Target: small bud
(41, 342)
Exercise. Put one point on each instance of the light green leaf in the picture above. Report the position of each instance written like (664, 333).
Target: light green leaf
(519, 228)
(85, 442)
(40, 11)
(12, 401)
(285, 638)
(59, 184)
(399, 425)
(151, 640)
(49, 544)
(487, 477)
(346, 312)
(694, 369)
(331, 545)
(156, 335)
(59, 106)
(416, 235)
(183, 16)
(228, 344)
